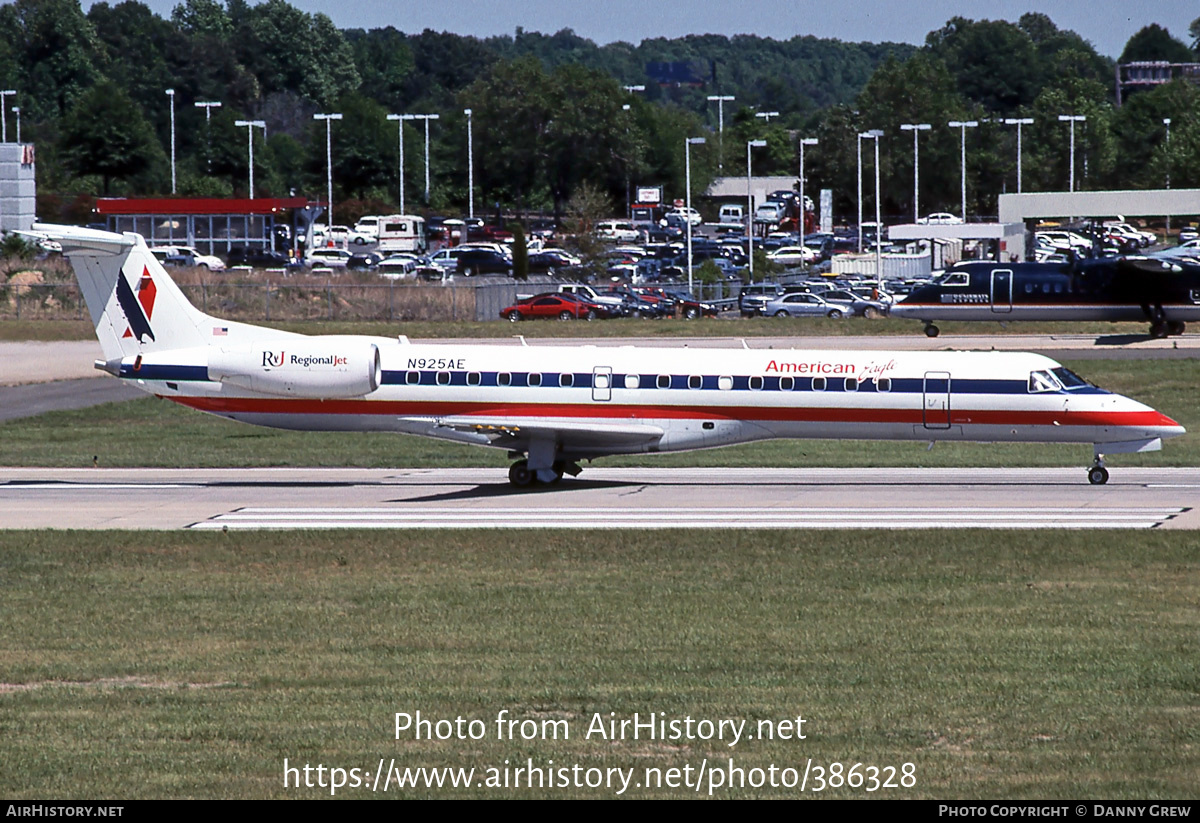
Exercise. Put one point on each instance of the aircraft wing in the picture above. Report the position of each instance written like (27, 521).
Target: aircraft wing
(573, 436)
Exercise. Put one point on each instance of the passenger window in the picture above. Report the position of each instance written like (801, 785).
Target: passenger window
(535, 379)
(632, 381)
(695, 381)
(664, 381)
(725, 382)
(818, 384)
(756, 383)
(883, 384)
(412, 378)
(443, 378)
(1029, 288)
(474, 378)
(787, 383)
(566, 380)
(851, 384)
(504, 379)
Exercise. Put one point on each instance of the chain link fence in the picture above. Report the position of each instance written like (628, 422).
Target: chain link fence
(282, 301)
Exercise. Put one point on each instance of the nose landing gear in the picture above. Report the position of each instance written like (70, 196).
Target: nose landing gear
(1097, 474)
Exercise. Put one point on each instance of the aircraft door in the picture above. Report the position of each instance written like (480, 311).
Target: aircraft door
(1002, 285)
(936, 391)
(602, 383)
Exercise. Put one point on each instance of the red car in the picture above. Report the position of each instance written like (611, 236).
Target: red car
(562, 306)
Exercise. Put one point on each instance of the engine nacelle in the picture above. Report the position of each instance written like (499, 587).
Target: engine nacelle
(314, 368)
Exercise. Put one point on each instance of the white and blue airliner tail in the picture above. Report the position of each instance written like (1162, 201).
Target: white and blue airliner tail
(554, 406)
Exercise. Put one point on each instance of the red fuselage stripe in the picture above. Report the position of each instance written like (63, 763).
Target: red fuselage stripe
(251, 405)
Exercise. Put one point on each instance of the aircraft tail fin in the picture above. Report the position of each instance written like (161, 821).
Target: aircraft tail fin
(134, 304)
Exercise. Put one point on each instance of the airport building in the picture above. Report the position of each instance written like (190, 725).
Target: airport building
(212, 225)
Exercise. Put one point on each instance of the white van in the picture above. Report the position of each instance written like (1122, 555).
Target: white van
(401, 232)
(619, 230)
(731, 214)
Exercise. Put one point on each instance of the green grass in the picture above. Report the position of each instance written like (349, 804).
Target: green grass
(1003, 665)
(150, 432)
(726, 326)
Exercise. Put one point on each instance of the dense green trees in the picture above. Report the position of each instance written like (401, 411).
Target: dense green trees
(550, 116)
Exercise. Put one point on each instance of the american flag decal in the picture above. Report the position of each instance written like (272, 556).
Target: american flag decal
(220, 331)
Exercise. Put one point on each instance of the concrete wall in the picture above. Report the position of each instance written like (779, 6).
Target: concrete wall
(18, 191)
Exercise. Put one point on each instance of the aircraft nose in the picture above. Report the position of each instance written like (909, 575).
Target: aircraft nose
(1169, 427)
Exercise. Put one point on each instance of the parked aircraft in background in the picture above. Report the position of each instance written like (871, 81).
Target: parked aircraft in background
(553, 406)
(1164, 292)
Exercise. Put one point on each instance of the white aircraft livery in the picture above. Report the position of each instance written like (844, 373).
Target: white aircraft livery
(553, 406)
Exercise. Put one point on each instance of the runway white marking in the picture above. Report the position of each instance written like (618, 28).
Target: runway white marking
(425, 517)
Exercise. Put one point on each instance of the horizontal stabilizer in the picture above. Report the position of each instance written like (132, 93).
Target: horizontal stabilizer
(74, 239)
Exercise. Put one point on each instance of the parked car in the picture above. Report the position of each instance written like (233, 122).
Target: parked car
(257, 258)
(364, 261)
(1188, 233)
(940, 218)
(621, 231)
(210, 262)
(753, 297)
(792, 255)
(856, 304)
(683, 213)
(562, 306)
(472, 261)
(397, 266)
(330, 258)
(802, 305)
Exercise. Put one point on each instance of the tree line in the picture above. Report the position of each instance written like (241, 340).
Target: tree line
(552, 119)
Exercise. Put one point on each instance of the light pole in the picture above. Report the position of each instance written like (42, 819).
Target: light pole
(17, 112)
(804, 141)
(3, 116)
(1018, 122)
(1072, 119)
(171, 94)
(1166, 122)
(426, 118)
(858, 141)
(250, 124)
(687, 151)
(329, 118)
(400, 118)
(628, 181)
(632, 89)
(470, 168)
(208, 107)
(873, 134)
(766, 115)
(720, 100)
(916, 128)
(751, 144)
(963, 125)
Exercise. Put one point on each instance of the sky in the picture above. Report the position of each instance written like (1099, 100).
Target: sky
(1108, 24)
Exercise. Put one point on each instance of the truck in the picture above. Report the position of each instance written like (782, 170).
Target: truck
(401, 232)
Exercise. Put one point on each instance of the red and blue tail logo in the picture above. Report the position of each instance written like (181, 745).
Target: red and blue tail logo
(138, 309)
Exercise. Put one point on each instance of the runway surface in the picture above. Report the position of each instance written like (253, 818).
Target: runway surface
(599, 498)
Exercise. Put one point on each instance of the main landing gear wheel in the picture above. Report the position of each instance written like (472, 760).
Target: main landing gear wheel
(519, 474)
(1175, 327)
(931, 330)
(1158, 330)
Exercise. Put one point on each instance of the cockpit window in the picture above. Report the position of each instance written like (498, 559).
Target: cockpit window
(956, 279)
(1042, 381)
(1069, 379)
